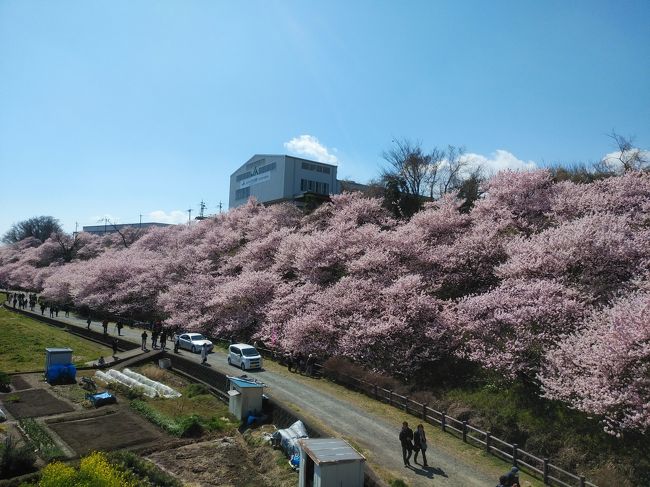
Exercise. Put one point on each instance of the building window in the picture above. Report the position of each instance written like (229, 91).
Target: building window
(240, 194)
(245, 175)
(267, 168)
(315, 167)
(314, 186)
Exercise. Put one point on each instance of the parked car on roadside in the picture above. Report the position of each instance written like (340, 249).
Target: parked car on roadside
(244, 356)
(193, 342)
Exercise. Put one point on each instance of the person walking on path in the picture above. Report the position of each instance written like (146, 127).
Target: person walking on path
(420, 444)
(88, 322)
(289, 361)
(406, 439)
(163, 339)
(105, 326)
(311, 360)
(144, 340)
(119, 327)
(114, 345)
(204, 354)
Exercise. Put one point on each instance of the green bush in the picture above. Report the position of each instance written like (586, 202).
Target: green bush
(15, 460)
(218, 424)
(143, 469)
(190, 426)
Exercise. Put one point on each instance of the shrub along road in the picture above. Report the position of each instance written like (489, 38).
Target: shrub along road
(451, 463)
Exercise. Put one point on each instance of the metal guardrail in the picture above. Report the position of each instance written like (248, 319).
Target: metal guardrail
(542, 468)
(536, 466)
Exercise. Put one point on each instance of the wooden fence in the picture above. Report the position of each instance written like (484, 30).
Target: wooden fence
(538, 467)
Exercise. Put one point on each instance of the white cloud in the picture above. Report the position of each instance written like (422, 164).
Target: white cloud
(308, 145)
(613, 160)
(174, 216)
(500, 160)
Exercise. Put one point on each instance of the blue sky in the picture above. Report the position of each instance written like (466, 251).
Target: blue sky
(124, 108)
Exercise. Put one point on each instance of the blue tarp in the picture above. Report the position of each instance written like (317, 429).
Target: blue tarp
(60, 373)
(101, 398)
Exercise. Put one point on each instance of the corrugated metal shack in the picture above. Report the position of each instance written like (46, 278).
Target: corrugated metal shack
(329, 462)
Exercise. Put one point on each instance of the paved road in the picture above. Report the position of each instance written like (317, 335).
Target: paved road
(372, 433)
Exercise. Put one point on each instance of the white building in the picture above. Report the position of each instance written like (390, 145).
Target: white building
(274, 178)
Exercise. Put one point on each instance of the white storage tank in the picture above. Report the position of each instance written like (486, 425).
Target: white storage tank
(245, 397)
(329, 462)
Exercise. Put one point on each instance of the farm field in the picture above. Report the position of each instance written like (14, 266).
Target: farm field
(23, 342)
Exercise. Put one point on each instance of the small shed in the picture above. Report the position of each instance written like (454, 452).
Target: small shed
(58, 366)
(245, 397)
(57, 356)
(329, 462)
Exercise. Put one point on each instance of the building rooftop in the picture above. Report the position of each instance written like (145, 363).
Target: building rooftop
(330, 450)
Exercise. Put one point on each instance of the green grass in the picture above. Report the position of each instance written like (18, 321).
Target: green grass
(187, 416)
(23, 342)
(571, 439)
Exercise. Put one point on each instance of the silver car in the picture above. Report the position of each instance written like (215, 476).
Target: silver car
(193, 342)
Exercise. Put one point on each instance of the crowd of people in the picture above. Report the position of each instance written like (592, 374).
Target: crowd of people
(300, 363)
(21, 300)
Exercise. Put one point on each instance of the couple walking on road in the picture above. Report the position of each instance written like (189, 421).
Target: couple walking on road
(413, 442)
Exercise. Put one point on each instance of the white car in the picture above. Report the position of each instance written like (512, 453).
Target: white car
(244, 356)
(193, 342)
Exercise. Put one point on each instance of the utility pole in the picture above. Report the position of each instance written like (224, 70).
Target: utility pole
(202, 207)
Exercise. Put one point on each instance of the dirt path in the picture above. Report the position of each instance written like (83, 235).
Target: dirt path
(377, 437)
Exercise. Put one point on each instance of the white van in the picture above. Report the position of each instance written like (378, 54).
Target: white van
(244, 356)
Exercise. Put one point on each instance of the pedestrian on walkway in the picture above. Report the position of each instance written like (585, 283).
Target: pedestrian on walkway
(144, 340)
(42, 308)
(119, 328)
(88, 322)
(154, 339)
(105, 326)
(406, 439)
(289, 361)
(176, 344)
(114, 345)
(420, 445)
(311, 360)
(163, 339)
(204, 354)
(51, 311)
